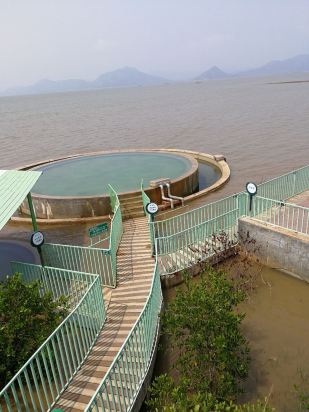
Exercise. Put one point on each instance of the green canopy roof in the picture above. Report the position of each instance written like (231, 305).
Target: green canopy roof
(14, 187)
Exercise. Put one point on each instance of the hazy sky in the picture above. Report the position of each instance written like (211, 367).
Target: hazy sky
(60, 39)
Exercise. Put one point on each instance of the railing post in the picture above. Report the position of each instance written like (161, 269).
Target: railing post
(242, 199)
(34, 224)
(294, 183)
(152, 234)
(32, 212)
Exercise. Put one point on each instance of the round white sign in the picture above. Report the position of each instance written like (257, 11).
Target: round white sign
(37, 239)
(152, 208)
(251, 188)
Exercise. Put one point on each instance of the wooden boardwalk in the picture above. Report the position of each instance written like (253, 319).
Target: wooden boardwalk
(135, 268)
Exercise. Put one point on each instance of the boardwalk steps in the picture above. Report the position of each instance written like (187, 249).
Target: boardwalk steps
(131, 206)
(135, 268)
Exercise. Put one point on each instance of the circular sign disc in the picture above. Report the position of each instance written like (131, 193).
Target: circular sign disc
(152, 208)
(37, 239)
(251, 188)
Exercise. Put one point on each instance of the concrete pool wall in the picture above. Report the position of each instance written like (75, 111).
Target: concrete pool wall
(58, 208)
(62, 207)
(276, 247)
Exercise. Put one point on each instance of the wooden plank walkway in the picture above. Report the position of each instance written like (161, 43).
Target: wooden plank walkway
(135, 268)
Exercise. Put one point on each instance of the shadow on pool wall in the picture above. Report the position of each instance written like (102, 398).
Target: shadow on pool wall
(53, 209)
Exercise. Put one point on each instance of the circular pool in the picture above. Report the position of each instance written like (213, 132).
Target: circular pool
(90, 175)
(76, 187)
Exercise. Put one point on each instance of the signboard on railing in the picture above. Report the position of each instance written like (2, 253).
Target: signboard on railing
(98, 229)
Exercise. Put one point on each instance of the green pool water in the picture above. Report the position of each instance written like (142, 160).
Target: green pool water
(90, 175)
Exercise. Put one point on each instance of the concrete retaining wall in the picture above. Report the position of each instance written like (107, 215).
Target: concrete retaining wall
(276, 247)
(73, 207)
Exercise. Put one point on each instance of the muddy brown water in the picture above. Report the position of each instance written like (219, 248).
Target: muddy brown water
(261, 128)
(277, 328)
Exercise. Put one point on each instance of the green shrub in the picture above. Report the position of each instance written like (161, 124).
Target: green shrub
(212, 355)
(204, 329)
(167, 397)
(26, 320)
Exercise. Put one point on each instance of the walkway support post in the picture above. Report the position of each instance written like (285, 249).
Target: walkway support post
(32, 212)
(34, 223)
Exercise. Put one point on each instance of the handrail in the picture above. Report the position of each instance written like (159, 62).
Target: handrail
(186, 239)
(145, 197)
(196, 216)
(185, 249)
(146, 200)
(57, 360)
(122, 381)
(299, 181)
(281, 203)
(281, 214)
(200, 208)
(286, 174)
(89, 259)
(115, 235)
(81, 258)
(116, 225)
(192, 228)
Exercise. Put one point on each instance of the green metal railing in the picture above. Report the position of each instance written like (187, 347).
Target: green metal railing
(146, 200)
(90, 259)
(193, 236)
(285, 186)
(43, 378)
(113, 198)
(115, 238)
(281, 214)
(145, 197)
(179, 242)
(198, 243)
(195, 217)
(83, 259)
(59, 282)
(124, 378)
(280, 188)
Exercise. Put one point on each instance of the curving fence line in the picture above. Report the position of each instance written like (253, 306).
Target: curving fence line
(181, 241)
(281, 214)
(90, 259)
(82, 259)
(285, 186)
(198, 234)
(198, 243)
(195, 217)
(146, 200)
(47, 373)
(122, 383)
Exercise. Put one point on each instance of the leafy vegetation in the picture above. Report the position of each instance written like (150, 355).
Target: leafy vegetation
(27, 318)
(168, 397)
(302, 393)
(203, 328)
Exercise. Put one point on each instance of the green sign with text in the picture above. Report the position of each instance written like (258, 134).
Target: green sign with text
(98, 229)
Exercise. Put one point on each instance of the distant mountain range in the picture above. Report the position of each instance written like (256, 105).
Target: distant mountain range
(125, 77)
(214, 73)
(129, 76)
(297, 64)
